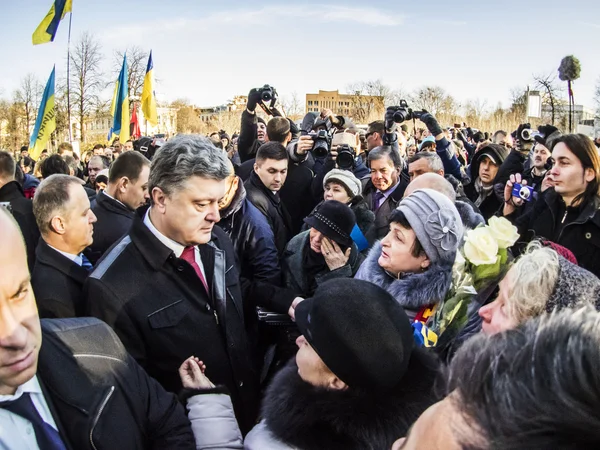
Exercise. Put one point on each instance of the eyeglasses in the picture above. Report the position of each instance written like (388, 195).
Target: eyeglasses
(369, 134)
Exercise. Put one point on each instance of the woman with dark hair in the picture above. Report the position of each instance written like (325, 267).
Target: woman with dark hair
(566, 213)
(413, 262)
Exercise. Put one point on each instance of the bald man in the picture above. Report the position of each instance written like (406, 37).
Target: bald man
(470, 217)
(80, 389)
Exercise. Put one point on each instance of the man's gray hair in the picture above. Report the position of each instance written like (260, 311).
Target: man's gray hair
(105, 163)
(384, 151)
(51, 198)
(183, 157)
(433, 160)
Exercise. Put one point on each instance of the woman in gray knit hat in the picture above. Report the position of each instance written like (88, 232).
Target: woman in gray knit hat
(413, 262)
(540, 281)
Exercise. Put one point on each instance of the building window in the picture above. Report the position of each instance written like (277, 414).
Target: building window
(316, 102)
(310, 103)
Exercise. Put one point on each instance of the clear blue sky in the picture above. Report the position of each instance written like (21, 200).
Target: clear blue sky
(208, 52)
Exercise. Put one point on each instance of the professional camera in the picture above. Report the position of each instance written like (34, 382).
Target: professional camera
(402, 112)
(345, 157)
(321, 138)
(523, 192)
(267, 93)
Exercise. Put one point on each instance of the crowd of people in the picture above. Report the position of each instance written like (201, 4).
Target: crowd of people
(263, 291)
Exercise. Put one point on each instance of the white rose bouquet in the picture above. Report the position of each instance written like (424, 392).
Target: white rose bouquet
(483, 258)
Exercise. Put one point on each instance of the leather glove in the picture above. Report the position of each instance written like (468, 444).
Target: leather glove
(253, 99)
(432, 124)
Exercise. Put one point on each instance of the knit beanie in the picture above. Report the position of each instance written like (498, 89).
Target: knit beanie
(335, 220)
(360, 331)
(261, 120)
(427, 139)
(346, 178)
(436, 223)
(575, 287)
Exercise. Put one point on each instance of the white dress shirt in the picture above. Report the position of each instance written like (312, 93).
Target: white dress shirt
(170, 243)
(17, 433)
(75, 258)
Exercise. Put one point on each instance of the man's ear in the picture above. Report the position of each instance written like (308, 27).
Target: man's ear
(123, 184)
(58, 225)
(159, 199)
(336, 384)
(255, 167)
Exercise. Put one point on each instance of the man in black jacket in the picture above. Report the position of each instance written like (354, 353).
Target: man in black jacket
(262, 189)
(170, 288)
(63, 214)
(384, 189)
(115, 207)
(80, 389)
(11, 193)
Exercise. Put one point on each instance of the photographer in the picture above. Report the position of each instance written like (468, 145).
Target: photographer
(253, 129)
(566, 213)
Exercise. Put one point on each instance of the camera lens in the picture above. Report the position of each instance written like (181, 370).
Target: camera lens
(320, 150)
(266, 96)
(524, 193)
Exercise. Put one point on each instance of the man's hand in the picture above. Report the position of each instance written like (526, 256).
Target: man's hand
(333, 154)
(192, 375)
(333, 254)
(292, 310)
(511, 203)
(304, 145)
(253, 99)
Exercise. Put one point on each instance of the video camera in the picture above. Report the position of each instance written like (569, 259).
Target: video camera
(401, 113)
(268, 97)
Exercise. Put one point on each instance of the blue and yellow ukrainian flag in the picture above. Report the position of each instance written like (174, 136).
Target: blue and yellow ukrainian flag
(120, 106)
(45, 123)
(46, 30)
(148, 96)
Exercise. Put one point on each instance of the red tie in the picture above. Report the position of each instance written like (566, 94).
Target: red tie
(189, 255)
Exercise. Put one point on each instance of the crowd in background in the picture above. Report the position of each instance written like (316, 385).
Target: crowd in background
(269, 289)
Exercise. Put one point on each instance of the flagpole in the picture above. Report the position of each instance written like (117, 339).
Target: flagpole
(69, 78)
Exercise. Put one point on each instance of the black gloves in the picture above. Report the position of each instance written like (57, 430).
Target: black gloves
(432, 124)
(253, 99)
(390, 125)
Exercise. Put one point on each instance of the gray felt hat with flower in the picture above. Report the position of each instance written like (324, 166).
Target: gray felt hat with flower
(436, 223)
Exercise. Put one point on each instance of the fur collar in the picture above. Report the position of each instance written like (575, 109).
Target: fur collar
(309, 417)
(469, 217)
(412, 291)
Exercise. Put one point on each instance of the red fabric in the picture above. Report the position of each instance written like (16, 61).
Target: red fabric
(189, 255)
(135, 125)
(562, 251)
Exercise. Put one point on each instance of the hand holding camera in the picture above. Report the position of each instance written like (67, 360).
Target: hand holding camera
(265, 96)
(304, 145)
(516, 193)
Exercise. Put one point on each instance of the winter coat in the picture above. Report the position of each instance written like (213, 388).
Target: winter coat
(382, 214)
(248, 144)
(445, 151)
(292, 266)
(495, 199)
(471, 219)
(213, 421)
(412, 291)
(22, 211)
(300, 416)
(271, 206)
(161, 311)
(99, 397)
(580, 232)
(114, 221)
(57, 283)
(252, 239)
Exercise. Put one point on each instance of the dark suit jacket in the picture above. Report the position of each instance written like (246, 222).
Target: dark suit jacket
(57, 283)
(273, 209)
(22, 211)
(114, 221)
(99, 397)
(159, 308)
(382, 214)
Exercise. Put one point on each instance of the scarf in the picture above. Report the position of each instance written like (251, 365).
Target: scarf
(483, 191)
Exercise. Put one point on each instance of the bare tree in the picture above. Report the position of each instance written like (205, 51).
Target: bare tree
(368, 100)
(434, 99)
(293, 106)
(137, 62)
(551, 93)
(28, 98)
(518, 97)
(597, 98)
(86, 78)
